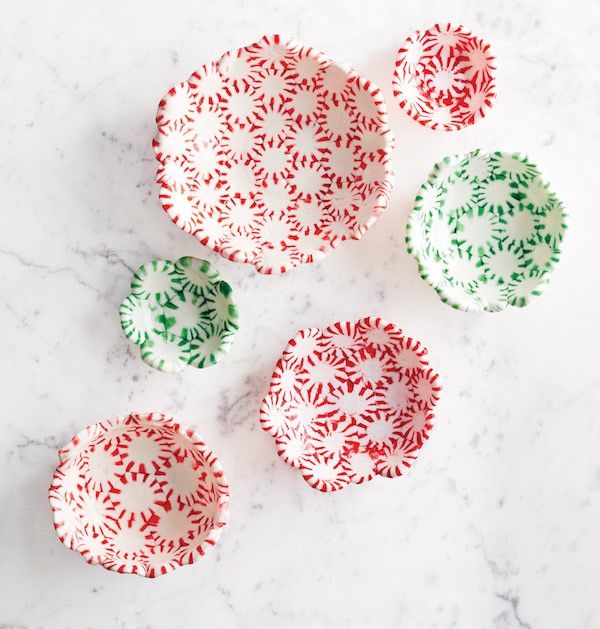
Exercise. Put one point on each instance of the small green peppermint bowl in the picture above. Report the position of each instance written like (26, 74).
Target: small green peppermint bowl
(486, 231)
(179, 313)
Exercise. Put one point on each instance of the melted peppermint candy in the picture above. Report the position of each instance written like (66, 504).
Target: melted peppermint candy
(444, 77)
(274, 155)
(349, 402)
(486, 231)
(139, 494)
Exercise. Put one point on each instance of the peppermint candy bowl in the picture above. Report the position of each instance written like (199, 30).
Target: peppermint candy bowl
(274, 154)
(350, 402)
(140, 494)
(179, 313)
(445, 77)
(486, 231)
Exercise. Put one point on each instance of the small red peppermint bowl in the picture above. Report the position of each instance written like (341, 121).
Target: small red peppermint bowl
(350, 402)
(274, 154)
(139, 494)
(445, 77)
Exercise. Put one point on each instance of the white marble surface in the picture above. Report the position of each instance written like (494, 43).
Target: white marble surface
(497, 525)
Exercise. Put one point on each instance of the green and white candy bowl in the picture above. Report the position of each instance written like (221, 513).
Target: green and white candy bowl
(486, 231)
(179, 313)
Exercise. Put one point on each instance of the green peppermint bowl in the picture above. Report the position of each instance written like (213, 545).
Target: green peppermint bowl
(179, 313)
(486, 231)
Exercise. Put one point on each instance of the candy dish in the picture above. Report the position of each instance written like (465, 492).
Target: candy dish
(445, 77)
(274, 155)
(349, 402)
(140, 494)
(486, 231)
(179, 313)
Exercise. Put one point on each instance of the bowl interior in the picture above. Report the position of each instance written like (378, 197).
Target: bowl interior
(350, 401)
(273, 154)
(140, 496)
(486, 230)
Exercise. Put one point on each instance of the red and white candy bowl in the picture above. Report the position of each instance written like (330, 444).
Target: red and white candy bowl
(274, 154)
(350, 401)
(445, 77)
(139, 494)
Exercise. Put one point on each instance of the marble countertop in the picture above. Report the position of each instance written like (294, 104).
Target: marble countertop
(496, 525)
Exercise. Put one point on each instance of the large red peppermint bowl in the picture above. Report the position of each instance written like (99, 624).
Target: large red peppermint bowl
(139, 494)
(274, 154)
(445, 77)
(349, 402)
